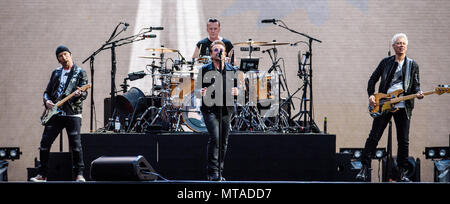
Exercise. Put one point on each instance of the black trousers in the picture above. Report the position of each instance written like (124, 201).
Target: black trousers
(212, 120)
(379, 124)
(51, 131)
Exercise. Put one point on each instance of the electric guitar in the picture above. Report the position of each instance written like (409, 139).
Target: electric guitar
(386, 102)
(49, 113)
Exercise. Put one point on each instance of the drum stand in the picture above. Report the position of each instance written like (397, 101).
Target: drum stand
(178, 115)
(249, 116)
(279, 85)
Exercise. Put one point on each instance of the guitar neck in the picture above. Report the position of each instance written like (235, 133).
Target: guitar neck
(409, 97)
(65, 99)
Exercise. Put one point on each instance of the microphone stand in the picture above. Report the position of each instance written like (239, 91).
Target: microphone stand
(280, 84)
(221, 68)
(110, 45)
(311, 122)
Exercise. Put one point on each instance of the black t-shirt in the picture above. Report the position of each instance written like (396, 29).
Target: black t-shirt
(205, 43)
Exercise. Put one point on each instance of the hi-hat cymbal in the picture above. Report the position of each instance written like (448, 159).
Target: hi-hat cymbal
(161, 49)
(249, 43)
(149, 57)
(275, 43)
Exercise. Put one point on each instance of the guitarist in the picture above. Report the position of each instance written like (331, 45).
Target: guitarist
(396, 72)
(63, 81)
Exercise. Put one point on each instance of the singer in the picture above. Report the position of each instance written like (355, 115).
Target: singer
(203, 46)
(218, 112)
(396, 72)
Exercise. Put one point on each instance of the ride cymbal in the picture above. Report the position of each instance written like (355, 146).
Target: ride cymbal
(149, 57)
(275, 44)
(161, 49)
(249, 43)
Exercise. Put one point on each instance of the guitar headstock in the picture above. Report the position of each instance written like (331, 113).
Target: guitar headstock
(442, 89)
(85, 87)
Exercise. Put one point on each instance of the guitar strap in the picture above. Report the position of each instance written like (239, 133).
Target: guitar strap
(73, 81)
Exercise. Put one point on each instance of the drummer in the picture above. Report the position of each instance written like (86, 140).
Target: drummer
(202, 47)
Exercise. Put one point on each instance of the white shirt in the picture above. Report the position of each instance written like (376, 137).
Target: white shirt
(397, 83)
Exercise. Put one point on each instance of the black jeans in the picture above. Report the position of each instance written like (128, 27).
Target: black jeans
(51, 131)
(379, 124)
(211, 119)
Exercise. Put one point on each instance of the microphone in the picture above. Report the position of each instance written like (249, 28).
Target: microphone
(156, 28)
(389, 52)
(221, 62)
(220, 55)
(269, 21)
(148, 36)
(125, 26)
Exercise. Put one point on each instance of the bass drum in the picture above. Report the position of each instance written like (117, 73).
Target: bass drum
(131, 100)
(192, 115)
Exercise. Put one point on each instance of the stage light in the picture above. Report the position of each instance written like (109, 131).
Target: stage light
(431, 153)
(11, 153)
(357, 152)
(441, 160)
(436, 152)
(442, 152)
(379, 154)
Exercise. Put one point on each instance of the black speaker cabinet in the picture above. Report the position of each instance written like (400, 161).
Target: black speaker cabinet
(3, 170)
(123, 168)
(347, 169)
(59, 167)
(393, 172)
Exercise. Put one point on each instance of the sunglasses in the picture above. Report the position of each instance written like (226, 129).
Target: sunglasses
(218, 50)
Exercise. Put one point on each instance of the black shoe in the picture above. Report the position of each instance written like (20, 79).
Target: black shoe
(363, 174)
(404, 176)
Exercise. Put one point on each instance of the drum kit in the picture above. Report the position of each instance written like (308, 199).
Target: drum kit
(173, 106)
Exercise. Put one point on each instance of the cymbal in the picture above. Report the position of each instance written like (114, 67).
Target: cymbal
(161, 49)
(149, 57)
(275, 43)
(249, 43)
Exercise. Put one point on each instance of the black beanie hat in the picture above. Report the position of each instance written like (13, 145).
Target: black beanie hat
(60, 49)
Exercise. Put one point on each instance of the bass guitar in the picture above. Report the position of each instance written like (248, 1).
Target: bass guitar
(386, 102)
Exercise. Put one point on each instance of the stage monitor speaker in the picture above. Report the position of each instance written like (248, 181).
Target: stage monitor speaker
(347, 169)
(123, 168)
(393, 173)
